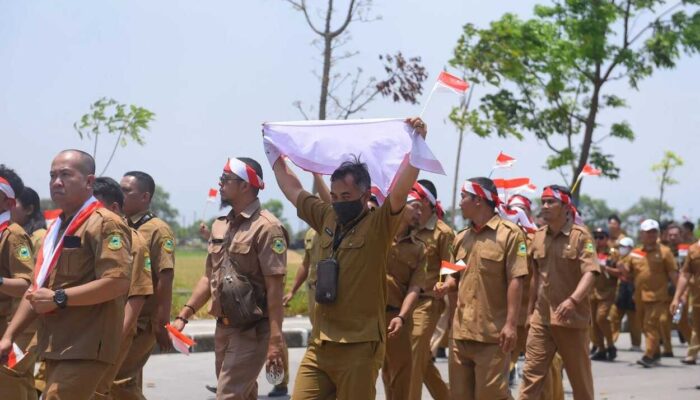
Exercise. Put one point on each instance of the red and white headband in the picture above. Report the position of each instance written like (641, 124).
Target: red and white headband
(520, 200)
(551, 192)
(424, 193)
(477, 190)
(6, 188)
(245, 172)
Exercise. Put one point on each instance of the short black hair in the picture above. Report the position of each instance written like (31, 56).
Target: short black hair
(488, 185)
(428, 185)
(109, 190)
(673, 225)
(256, 167)
(614, 217)
(13, 179)
(87, 162)
(665, 224)
(355, 168)
(689, 226)
(144, 181)
(36, 220)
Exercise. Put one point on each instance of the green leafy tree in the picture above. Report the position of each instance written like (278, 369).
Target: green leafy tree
(595, 212)
(550, 75)
(665, 168)
(160, 206)
(128, 122)
(643, 209)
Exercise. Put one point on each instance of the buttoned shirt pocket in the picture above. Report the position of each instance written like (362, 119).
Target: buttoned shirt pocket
(491, 259)
(240, 253)
(70, 266)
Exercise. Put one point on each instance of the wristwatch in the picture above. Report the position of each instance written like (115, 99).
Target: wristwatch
(60, 298)
(2, 280)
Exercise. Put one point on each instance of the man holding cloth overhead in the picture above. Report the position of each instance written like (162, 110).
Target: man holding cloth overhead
(349, 333)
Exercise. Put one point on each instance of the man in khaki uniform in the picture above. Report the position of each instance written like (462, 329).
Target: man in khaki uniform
(15, 275)
(689, 282)
(652, 267)
(405, 276)
(603, 297)
(138, 188)
(565, 269)
(254, 242)
(437, 237)
(347, 343)
(484, 331)
(108, 192)
(675, 243)
(84, 284)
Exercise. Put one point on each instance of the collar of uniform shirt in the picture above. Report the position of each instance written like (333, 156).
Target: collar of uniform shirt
(137, 217)
(565, 230)
(431, 223)
(247, 212)
(493, 224)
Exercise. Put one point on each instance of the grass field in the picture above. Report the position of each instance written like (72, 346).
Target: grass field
(189, 268)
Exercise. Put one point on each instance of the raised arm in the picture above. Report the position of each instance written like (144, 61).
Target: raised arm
(408, 175)
(323, 192)
(287, 181)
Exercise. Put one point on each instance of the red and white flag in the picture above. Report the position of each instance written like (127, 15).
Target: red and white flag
(638, 253)
(448, 268)
(452, 83)
(588, 170)
(16, 355)
(212, 195)
(51, 215)
(181, 342)
(602, 259)
(683, 250)
(504, 161)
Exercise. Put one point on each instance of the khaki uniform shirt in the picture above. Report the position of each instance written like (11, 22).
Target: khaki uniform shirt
(160, 241)
(358, 314)
(527, 281)
(494, 255)
(258, 245)
(651, 273)
(605, 284)
(692, 266)
(37, 238)
(438, 238)
(16, 261)
(405, 268)
(312, 255)
(561, 260)
(89, 332)
(215, 256)
(615, 243)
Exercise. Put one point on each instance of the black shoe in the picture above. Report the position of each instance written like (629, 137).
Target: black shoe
(441, 353)
(594, 350)
(667, 355)
(646, 362)
(211, 388)
(278, 391)
(612, 353)
(688, 362)
(600, 356)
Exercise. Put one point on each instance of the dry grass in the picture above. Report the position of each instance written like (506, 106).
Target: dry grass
(189, 269)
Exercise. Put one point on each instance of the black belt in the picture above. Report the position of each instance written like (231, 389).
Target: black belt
(393, 309)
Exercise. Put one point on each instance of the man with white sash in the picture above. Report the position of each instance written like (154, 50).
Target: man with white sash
(80, 283)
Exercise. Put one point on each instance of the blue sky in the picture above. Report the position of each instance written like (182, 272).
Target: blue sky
(212, 71)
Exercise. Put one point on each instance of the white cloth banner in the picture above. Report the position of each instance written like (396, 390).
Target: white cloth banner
(321, 146)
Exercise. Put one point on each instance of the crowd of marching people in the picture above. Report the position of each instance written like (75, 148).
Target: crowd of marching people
(86, 296)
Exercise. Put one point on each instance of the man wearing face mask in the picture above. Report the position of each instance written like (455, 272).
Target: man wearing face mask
(624, 301)
(347, 344)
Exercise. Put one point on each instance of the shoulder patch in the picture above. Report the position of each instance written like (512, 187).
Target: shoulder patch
(23, 253)
(588, 247)
(147, 262)
(278, 245)
(522, 249)
(114, 242)
(169, 244)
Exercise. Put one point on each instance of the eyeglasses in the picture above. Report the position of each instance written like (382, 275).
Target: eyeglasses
(599, 237)
(225, 178)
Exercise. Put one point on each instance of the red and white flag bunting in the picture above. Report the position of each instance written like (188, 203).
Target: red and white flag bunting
(452, 83)
(448, 268)
(181, 342)
(504, 161)
(16, 355)
(588, 170)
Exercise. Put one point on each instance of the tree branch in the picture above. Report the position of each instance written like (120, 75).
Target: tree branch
(348, 19)
(302, 7)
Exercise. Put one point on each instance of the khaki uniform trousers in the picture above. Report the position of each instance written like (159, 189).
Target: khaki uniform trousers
(694, 346)
(18, 382)
(342, 371)
(633, 321)
(104, 387)
(128, 383)
(601, 332)
(542, 344)
(478, 371)
(653, 315)
(441, 336)
(425, 319)
(72, 379)
(239, 357)
(398, 362)
(553, 383)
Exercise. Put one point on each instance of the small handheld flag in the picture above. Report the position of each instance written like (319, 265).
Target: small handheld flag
(181, 342)
(448, 268)
(16, 355)
(504, 161)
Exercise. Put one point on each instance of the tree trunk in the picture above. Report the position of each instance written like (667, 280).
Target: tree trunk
(454, 184)
(587, 138)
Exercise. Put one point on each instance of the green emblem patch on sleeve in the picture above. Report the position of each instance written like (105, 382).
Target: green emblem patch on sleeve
(522, 249)
(279, 246)
(588, 247)
(23, 253)
(147, 262)
(114, 242)
(169, 245)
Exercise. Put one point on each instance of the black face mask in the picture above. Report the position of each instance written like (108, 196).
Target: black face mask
(348, 210)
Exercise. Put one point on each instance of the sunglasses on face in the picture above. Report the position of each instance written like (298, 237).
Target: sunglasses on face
(226, 178)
